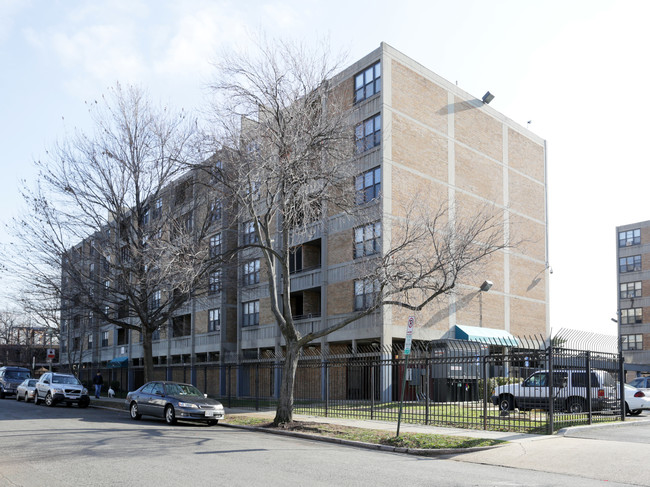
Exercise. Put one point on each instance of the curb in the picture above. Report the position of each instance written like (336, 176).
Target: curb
(369, 446)
(570, 429)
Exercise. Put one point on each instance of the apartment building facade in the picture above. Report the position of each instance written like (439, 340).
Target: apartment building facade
(416, 134)
(633, 283)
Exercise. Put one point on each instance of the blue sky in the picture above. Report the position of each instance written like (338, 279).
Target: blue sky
(577, 70)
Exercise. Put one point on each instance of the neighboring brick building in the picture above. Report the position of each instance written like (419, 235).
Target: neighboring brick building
(633, 273)
(414, 127)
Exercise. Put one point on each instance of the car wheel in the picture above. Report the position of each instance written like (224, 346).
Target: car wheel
(170, 414)
(49, 400)
(36, 399)
(83, 403)
(635, 412)
(506, 403)
(68, 404)
(17, 396)
(576, 406)
(2, 393)
(213, 422)
(133, 410)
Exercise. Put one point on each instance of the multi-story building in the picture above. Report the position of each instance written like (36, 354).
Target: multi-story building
(633, 272)
(413, 127)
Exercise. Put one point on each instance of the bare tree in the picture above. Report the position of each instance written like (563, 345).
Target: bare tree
(116, 225)
(288, 127)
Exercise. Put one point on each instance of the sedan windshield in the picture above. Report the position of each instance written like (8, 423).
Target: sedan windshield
(185, 390)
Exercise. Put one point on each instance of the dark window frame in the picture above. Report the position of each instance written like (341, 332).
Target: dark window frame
(251, 313)
(367, 186)
(627, 238)
(631, 316)
(251, 272)
(214, 320)
(367, 134)
(629, 290)
(367, 83)
(367, 240)
(633, 263)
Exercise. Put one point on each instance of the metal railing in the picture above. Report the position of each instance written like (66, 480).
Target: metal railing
(533, 387)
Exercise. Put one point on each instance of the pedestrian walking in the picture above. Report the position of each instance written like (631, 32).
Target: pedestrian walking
(98, 381)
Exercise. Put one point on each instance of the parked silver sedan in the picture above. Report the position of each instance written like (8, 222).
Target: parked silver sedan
(173, 401)
(26, 390)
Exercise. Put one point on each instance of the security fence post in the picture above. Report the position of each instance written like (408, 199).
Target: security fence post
(551, 395)
(372, 390)
(589, 385)
(485, 390)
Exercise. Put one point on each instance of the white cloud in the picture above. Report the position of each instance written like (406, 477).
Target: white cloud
(9, 10)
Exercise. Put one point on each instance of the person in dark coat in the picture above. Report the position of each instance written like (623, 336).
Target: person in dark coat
(98, 381)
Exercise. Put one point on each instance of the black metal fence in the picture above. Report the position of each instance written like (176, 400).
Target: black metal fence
(529, 386)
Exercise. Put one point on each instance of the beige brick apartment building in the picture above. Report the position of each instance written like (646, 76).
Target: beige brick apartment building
(633, 276)
(413, 127)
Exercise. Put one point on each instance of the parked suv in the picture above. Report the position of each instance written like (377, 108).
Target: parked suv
(11, 378)
(53, 388)
(569, 392)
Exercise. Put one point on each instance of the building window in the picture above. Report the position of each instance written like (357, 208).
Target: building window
(155, 336)
(367, 186)
(368, 133)
(367, 83)
(629, 264)
(105, 339)
(214, 320)
(251, 272)
(631, 316)
(249, 235)
(632, 342)
(215, 245)
(367, 240)
(215, 211)
(157, 209)
(145, 216)
(630, 237)
(90, 342)
(214, 282)
(251, 313)
(365, 293)
(295, 259)
(155, 300)
(630, 290)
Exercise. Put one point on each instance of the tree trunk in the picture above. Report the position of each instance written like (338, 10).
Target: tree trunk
(284, 413)
(147, 353)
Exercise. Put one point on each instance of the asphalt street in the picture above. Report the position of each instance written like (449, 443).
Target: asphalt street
(102, 447)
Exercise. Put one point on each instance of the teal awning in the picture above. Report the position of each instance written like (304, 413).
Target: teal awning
(492, 336)
(118, 362)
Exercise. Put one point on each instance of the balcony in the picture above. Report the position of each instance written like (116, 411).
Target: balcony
(207, 342)
(181, 345)
(252, 335)
(306, 279)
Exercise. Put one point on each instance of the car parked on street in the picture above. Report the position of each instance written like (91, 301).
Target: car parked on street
(173, 401)
(569, 392)
(636, 400)
(53, 388)
(10, 379)
(640, 383)
(26, 390)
